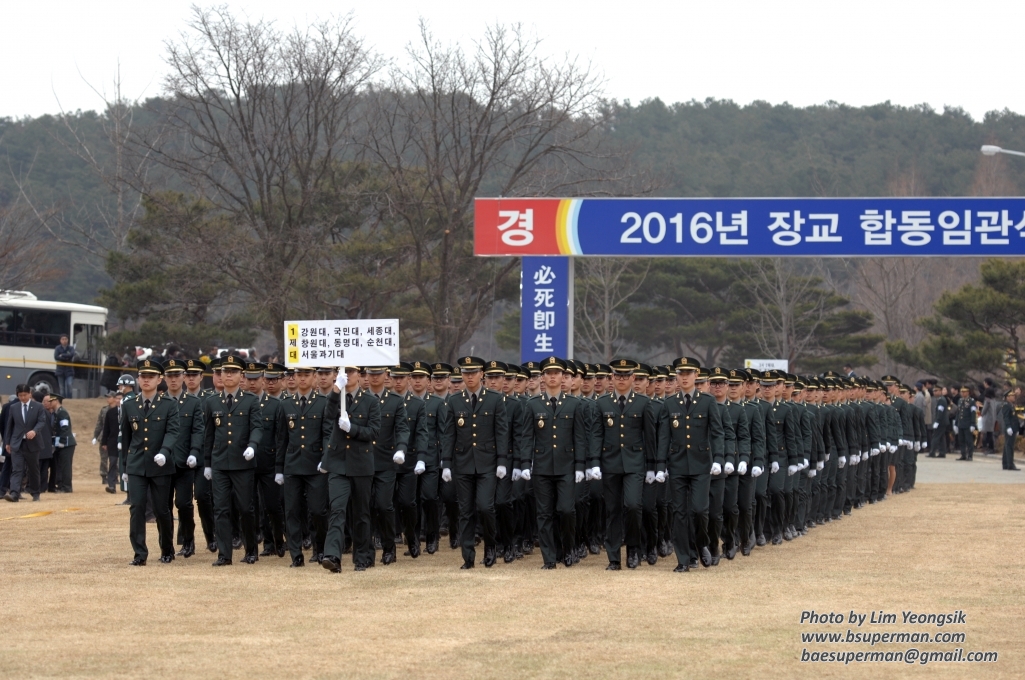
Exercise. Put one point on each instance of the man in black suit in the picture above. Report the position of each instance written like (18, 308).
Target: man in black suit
(23, 438)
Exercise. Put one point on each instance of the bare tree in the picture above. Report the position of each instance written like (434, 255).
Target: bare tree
(603, 286)
(259, 126)
(25, 253)
(497, 120)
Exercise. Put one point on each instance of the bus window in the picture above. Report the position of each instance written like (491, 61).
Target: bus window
(8, 323)
(87, 343)
(33, 327)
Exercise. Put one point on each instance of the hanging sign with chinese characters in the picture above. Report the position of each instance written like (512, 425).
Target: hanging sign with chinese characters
(348, 342)
(750, 227)
(544, 308)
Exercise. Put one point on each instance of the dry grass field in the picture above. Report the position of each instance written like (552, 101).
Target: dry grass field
(73, 608)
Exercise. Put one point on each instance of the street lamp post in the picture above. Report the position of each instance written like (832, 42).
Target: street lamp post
(990, 150)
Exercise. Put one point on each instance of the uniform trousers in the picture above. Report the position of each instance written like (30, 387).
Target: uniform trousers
(233, 488)
(272, 518)
(689, 495)
(405, 498)
(429, 498)
(180, 496)
(204, 504)
(476, 494)
(623, 493)
(746, 506)
(64, 464)
(139, 489)
(1008, 457)
(716, 496)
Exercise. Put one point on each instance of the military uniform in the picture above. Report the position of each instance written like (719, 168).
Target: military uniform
(1009, 425)
(392, 437)
(480, 448)
(64, 441)
(302, 432)
(348, 461)
(149, 433)
(188, 457)
(964, 426)
(691, 439)
(406, 475)
(232, 433)
(748, 481)
(267, 485)
(438, 426)
(553, 439)
(940, 426)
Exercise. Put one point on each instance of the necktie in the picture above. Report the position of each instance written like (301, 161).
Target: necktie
(24, 413)
(622, 401)
(231, 400)
(145, 407)
(348, 402)
(302, 403)
(473, 401)
(554, 402)
(686, 400)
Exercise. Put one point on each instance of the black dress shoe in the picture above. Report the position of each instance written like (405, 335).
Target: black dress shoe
(236, 543)
(715, 559)
(517, 552)
(189, 549)
(414, 549)
(222, 562)
(760, 540)
(110, 489)
(137, 562)
(452, 543)
(298, 562)
(568, 560)
(508, 556)
(251, 558)
(614, 566)
(731, 552)
(745, 549)
(432, 546)
(652, 557)
(787, 536)
(777, 539)
(360, 566)
(331, 563)
(467, 564)
(211, 546)
(388, 557)
(35, 498)
(528, 547)
(706, 557)
(11, 498)
(693, 563)
(548, 565)
(633, 559)
(594, 547)
(166, 559)
(680, 568)
(280, 551)
(490, 556)
(267, 551)
(316, 557)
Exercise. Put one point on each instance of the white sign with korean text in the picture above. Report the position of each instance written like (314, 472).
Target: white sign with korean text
(347, 342)
(767, 364)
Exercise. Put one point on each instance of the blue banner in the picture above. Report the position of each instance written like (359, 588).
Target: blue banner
(752, 227)
(544, 308)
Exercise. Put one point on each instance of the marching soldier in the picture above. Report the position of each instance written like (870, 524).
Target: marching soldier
(389, 455)
(438, 423)
(302, 431)
(149, 433)
(407, 474)
(717, 379)
(1009, 424)
(442, 386)
(204, 490)
(269, 481)
(746, 392)
(349, 463)
(495, 373)
(731, 498)
(232, 433)
(478, 459)
(628, 455)
(692, 442)
(188, 453)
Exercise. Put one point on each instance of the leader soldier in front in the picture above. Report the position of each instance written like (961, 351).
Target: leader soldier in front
(478, 458)
(691, 440)
(232, 433)
(188, 453)
(149, 433)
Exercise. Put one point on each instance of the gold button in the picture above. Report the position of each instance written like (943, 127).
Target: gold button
(145, 439)
(229, 441)
(688, 436)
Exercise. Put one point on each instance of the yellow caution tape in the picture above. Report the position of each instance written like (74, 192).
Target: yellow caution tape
(41, 513)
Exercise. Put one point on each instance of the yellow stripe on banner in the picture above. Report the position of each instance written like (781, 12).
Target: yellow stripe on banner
(41, 513)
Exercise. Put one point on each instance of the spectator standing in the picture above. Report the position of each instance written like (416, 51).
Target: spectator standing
(64, 355)
(990, 405)
(111, 372)
(23, 437)
(6, 464)
(47, 463)
(108, 440)
(97, 430)
(63, 441)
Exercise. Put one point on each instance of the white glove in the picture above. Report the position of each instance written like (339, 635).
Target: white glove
(248, 453)
(742, 467)
(419, 468)
(728, 468)
(716, 469)
(191, 461)
(119, 446)
(578, 476)
(279, 479)
(874, 452)
(321, 470)
(893, 449)
(971, 429)
(343, 421)
(841, 461)
(791, 469)
(925, 445)
(935, 426)
(649, 477)
(1010, 432)
(159, 459)
(399, 458)
(446, 475)
(124, 478)
(340, 381)
(855, 459)
(805, 464)
(955, 429)
(774, 468)
(516, 475)
(660, 477)
(820, 465)
(2, 458)
(756, 471)
(525, 475)
(918, 446)
(587, 475)
(811, 473)
(94, 441)
(208, 474)
(500, 472)
(827, 457)
(596, 472)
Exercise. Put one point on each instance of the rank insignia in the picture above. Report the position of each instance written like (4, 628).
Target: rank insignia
(676, 423)
(217, 422)
(135, 426)
(460, 422)
(291, 424)
(610, 422)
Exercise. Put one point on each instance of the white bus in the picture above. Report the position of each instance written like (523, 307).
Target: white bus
(30, 330)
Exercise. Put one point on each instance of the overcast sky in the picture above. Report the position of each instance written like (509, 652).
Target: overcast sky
(940, 53)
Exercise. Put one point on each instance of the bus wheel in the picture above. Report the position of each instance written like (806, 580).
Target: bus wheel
(43, 382)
